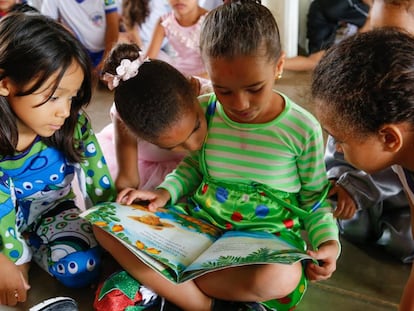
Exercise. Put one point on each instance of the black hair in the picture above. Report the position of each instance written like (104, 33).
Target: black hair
(33, 47)
(153, 100)
(367, 81)
(240, 28)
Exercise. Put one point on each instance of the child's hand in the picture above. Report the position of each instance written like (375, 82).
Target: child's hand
(326, 255)
(123, 182)
(13, 285)
(157, 198)
(345, 206)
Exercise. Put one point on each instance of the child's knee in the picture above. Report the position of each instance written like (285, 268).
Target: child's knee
(275, 283)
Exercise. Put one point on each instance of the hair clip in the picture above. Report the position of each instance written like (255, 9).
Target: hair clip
(126, 70)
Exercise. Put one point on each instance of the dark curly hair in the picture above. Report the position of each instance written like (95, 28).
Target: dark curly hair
(366, 81)
(152, 101)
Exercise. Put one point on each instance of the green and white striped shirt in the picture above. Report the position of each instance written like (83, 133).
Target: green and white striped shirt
(285, 154)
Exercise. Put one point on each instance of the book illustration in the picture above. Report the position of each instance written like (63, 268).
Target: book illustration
(181, 247)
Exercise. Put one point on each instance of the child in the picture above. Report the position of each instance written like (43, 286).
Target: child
(8, 6)
(364, 98)
(94, 22)
(396, 13)
(326, 20)
(45, 81)
(140, 19)
(374, 208)
(136, 162)
(260, 146)
(182, 29)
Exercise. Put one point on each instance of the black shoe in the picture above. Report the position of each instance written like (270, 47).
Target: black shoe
(56, 304)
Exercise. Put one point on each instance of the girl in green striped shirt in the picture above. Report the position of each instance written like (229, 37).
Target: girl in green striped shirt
(260, 168)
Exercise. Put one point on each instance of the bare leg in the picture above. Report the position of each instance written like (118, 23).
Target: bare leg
(303, 63)
(251, 283)
(185, 295)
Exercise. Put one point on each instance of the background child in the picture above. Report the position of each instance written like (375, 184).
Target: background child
(94, 22)
(136, 162)
(254, 153)
(182, 29)
(5, 6)
(140, 19)
(372, 208)
(8, 6)
(328, 22)
(364, 98)
(45, 81)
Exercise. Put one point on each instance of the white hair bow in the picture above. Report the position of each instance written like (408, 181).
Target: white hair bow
(126, 70)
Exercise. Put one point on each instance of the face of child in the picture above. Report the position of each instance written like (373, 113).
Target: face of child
(244, 86)
(388, 15)
(368, 153)
(37, 117)
(6, 5)
(187, 134)
(183, 7)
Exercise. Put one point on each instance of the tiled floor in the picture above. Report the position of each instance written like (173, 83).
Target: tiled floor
(366, 279)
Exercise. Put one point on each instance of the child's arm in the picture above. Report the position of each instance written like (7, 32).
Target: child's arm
(133, 35)
(407, 299)
(111, 34)
(93, 174)
(126, 156)
(156, 41)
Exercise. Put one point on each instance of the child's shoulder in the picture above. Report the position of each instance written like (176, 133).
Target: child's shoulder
(206, 99)
(298, 111)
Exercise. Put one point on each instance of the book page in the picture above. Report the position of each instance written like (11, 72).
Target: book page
(174, 240)
(235, 248)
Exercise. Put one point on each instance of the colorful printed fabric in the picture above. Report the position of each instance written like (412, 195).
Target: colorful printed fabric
(284, 155)
(36, 181)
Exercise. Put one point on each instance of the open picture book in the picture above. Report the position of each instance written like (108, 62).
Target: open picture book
(181, 247)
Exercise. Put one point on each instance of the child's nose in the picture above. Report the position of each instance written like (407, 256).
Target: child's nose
(240, 102)
(64, 110)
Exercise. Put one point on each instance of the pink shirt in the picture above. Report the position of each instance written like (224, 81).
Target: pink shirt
(185, 42)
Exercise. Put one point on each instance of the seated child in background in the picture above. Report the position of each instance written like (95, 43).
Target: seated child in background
(324, 19)
(140, 18)
(8, 6)
(370, 113)
(94, 22)
(45, 138)
(182, 29)
(373, 208)
(135, 162)
(253, 132)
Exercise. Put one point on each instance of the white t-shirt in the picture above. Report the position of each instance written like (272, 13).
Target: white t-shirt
(86, 19)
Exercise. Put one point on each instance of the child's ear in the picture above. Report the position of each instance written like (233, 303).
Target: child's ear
(391, 137)
(4, 85)
(280, 63)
